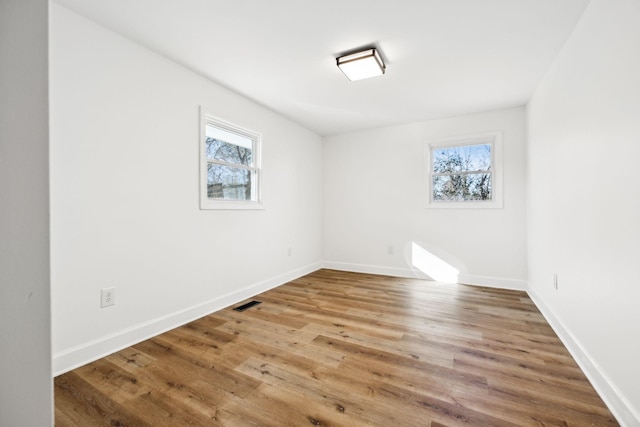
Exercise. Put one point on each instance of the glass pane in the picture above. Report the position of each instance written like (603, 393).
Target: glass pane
(229, 153)
(462, 188)
(228, 146)
(467, 158)
(229, 183)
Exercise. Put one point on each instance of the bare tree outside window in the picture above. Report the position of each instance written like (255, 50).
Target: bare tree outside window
(462, 173)
(225, 181)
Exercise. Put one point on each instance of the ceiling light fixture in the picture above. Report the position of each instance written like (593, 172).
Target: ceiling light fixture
(361, 65)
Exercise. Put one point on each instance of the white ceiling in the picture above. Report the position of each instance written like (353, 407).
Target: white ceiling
(444, 57)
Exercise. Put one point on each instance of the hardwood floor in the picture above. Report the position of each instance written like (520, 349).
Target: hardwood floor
(344, 349)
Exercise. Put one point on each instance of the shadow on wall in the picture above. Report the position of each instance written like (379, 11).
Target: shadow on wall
(424, 261)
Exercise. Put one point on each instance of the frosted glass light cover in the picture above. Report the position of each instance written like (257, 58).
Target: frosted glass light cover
(361, 65)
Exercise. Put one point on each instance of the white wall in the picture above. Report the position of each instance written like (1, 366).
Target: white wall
(124, 184)
(584, 199)
(374, 197)
(26, 394)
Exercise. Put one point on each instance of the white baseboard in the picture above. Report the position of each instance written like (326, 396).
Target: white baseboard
(469, 279)
(493, 282)
(618, 404)
(374, 269)
(77, 356)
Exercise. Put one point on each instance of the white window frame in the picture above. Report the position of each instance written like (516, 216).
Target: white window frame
(495, 139)
(210, 204)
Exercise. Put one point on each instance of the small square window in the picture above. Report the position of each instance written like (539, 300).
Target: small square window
(229, 165)
(465, 172)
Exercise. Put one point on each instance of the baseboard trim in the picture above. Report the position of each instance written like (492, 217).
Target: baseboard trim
(618, 404)
(467, 279)
(493, 282)
(374, 269)
(80, 355)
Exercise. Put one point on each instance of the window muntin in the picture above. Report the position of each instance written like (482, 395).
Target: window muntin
(230, 168)
(465, 172)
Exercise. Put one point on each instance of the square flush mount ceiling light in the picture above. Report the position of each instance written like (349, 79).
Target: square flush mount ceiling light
(361, 65)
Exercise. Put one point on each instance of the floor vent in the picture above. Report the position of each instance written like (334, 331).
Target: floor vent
(243, 307)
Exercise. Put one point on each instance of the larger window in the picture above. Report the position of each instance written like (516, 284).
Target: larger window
(465, 172)
(230, 166)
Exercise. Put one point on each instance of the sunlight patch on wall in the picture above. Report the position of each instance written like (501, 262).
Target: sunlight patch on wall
(432, 266)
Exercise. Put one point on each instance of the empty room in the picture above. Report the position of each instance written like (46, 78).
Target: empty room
(333, 213)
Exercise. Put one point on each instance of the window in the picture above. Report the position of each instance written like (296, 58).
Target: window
(465, 172)
(229, 166)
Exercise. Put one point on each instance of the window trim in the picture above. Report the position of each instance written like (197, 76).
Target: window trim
(495, 139)
(208, 204)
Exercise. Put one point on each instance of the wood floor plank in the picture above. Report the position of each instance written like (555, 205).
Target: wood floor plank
(357, 404)
(344, 349)
(80, 403)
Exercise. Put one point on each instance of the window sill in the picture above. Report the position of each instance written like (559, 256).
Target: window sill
(229, 205)
(464, 205)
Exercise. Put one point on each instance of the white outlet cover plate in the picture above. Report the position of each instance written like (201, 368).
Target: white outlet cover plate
(107, 297)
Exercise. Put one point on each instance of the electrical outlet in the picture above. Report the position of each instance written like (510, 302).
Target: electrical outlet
(107, 297)
(555, 281)
(390, 249)
(289, 251)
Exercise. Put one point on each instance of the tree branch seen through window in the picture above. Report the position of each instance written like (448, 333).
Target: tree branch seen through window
(462, 173)
(225, 181)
